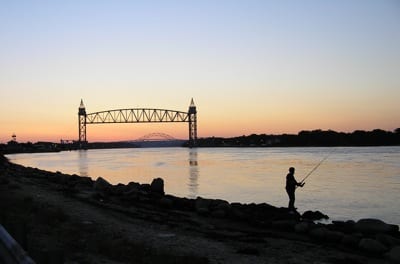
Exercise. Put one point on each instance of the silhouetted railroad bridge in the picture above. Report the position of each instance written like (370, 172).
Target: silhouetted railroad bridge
(138, 115)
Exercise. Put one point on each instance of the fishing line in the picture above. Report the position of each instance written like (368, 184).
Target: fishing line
(316, 167)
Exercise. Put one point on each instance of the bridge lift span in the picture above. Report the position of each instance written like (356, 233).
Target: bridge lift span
(138, 115)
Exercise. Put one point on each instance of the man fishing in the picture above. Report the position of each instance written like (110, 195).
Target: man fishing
(291, 185)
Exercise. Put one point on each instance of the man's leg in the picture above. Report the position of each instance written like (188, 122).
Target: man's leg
(291, 198)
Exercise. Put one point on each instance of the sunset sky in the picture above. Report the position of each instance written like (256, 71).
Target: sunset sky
(251, 66)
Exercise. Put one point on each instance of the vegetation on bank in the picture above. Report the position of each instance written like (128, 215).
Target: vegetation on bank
(314, 138)
(29, 147)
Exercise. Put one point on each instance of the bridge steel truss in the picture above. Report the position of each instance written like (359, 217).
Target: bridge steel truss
(149, 137)
(138, 115)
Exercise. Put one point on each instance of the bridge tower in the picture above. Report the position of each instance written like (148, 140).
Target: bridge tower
(192, 113)
(82, 123)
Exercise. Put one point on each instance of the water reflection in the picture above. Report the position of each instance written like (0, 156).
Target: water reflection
(361, 182)
(83, 163)
(193, 174)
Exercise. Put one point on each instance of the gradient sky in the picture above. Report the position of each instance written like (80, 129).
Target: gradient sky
(251, 66)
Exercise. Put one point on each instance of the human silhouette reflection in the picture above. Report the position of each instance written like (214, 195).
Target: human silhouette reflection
(83, 163)
(193, 174)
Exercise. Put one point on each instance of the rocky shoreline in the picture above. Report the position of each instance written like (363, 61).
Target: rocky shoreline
(60, 218)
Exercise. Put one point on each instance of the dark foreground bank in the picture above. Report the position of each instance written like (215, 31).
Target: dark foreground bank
(59, 218)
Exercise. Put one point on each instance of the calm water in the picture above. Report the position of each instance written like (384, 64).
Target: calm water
(352, 183)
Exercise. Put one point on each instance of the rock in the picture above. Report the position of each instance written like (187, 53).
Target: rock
(286, 225)
(302, 227)
(351, 241)
(279, 214)
(183, 204)
(373, 226)
(83, 183)
(131, 194)
(394, 254)
(118, 189)
(314, 215)
(220, 205)
(265, 210)
(373, 246)
(145, 187)
(101, 185)
(3, 160)
(237, 213)
(133, 185)
(388, 240)
(143, 199)
(319, 233)
(60, 178)
(203, 211)
(219, 208)
(202, 204)
(166, 203)
(345, 227)
(395, 229)
(334, 236)
(157, 186)
(218, 213)
(73, 179)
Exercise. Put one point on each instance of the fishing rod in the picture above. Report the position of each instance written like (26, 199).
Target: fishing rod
(316, 167)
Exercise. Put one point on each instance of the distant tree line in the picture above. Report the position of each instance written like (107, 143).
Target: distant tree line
(29, 147)
(326, 138)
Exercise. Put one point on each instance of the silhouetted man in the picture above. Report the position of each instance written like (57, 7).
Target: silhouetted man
(291, 185)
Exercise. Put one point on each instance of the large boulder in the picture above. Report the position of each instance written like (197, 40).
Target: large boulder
(388, 240)
(314, 215)
(346, 227)
(220, 205)
(374, 226)
(157, 186)
(372, 246)
(102, 186)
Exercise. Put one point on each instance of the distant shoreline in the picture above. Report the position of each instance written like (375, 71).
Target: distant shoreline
(315, 138)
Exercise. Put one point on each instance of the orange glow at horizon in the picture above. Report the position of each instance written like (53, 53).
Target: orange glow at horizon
(218, 126)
